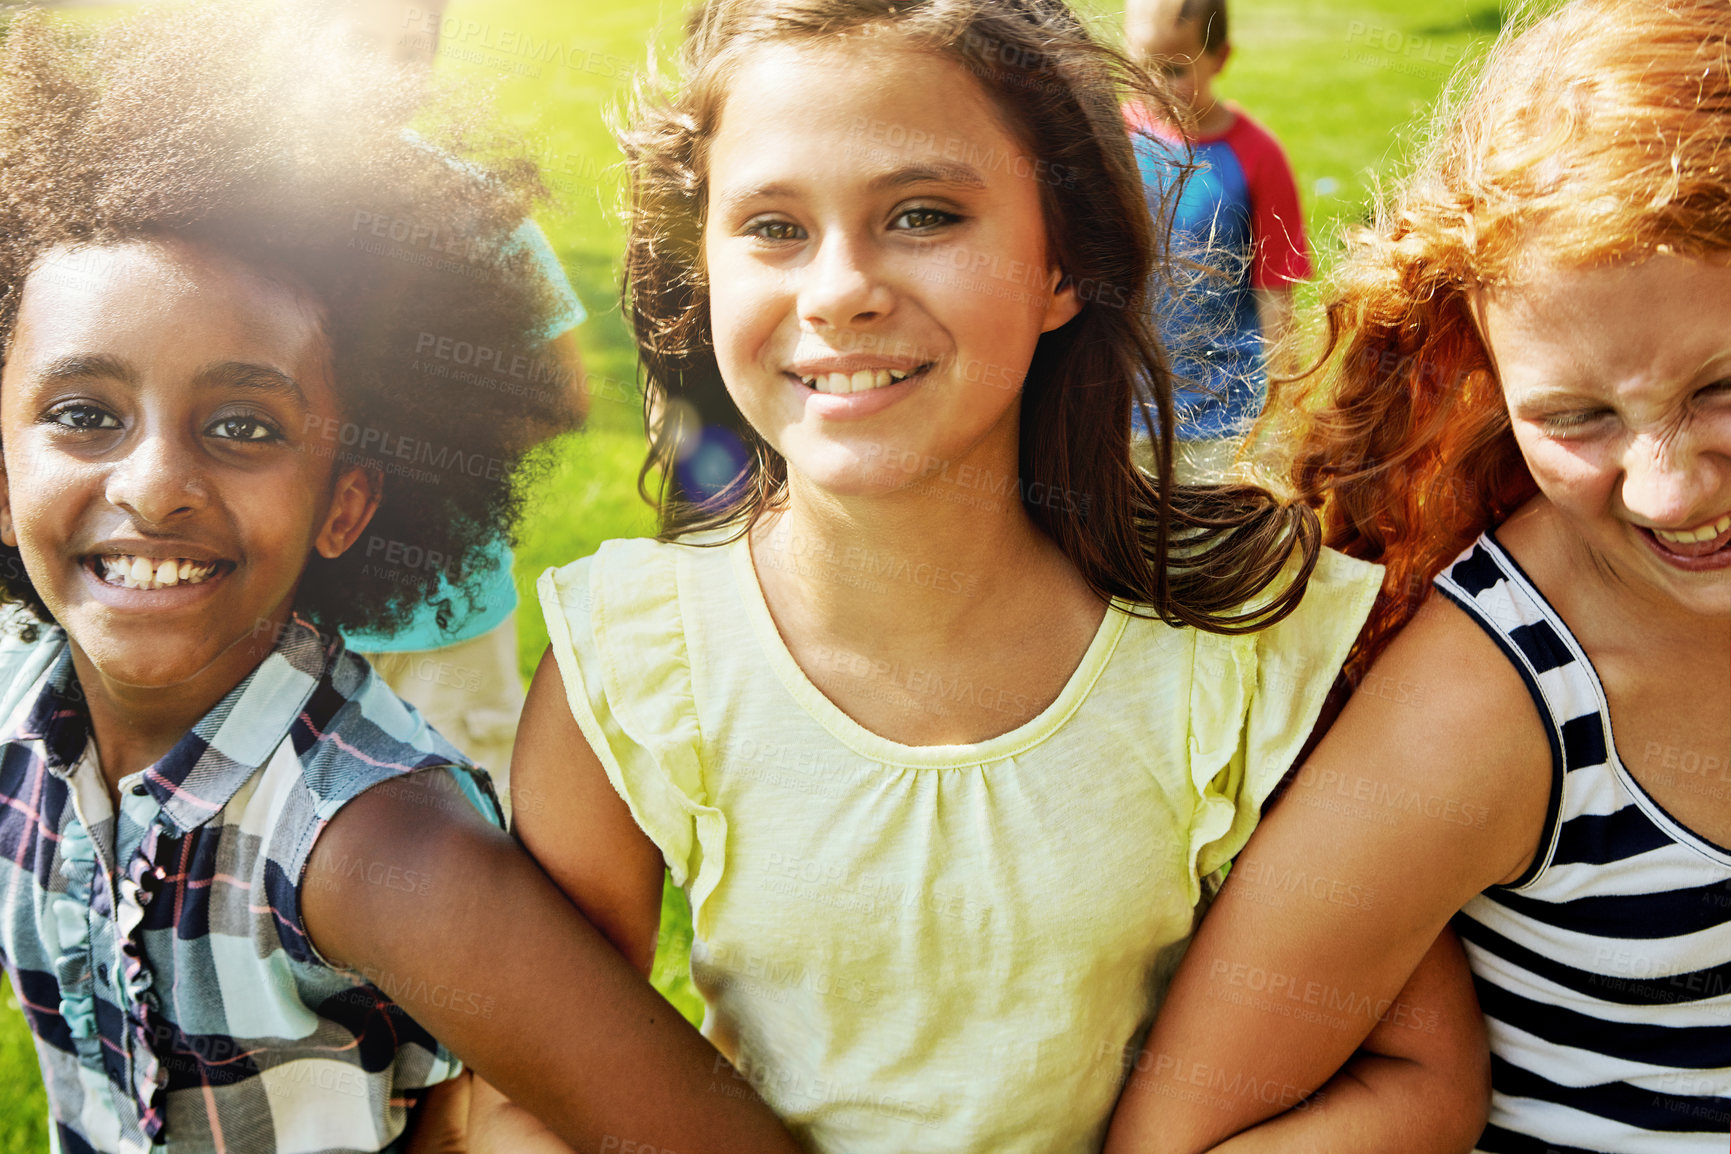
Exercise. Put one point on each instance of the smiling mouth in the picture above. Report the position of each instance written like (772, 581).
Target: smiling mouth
(1702, 542)
(859, 381)
(125, 571)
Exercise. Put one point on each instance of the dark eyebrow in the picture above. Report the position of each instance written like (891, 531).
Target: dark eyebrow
(956, 175)
(90, 367)
(256, 378)
(232, 374)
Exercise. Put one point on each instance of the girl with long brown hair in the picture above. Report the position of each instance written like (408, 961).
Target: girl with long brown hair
(1528, 403)
(938, 709)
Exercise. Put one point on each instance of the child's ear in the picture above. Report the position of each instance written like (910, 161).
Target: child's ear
(1066, 302)
(355, 500)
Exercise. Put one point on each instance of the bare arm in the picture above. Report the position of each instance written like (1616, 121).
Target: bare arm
(1274, 315)
(1424, 1067)
(1431, 787)
(568, 815)
(552, 1014)
(568, 351)
(441, 1123)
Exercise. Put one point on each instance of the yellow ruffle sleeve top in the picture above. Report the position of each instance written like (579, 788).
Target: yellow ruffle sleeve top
(936, 948)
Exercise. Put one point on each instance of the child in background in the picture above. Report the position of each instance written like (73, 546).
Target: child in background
(1237, 232)
(235, 864)
(929, 716)
(455, 660)
(1529, 405)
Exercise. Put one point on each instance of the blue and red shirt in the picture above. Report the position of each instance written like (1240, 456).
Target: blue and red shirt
(1236, 227)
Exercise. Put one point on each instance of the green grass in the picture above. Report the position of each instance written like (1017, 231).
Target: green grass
(1344, 89)
(23, 1105)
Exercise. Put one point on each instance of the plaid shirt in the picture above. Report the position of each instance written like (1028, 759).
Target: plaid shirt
(159, 953)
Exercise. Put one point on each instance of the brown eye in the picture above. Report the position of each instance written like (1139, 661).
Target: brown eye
(84, 418)
(774, 230)
(243, 429)
(924, 218)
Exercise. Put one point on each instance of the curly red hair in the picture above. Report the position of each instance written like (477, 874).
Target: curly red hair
(1599, 133)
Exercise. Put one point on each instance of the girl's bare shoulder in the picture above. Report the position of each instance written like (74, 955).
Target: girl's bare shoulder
(1443, 732)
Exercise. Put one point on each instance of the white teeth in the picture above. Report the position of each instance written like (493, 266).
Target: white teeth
(149, 573)
(1695, 536)
(858, 381)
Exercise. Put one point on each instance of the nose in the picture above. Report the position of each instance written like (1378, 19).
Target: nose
(841, 286)
(1668, 483)
(159, 479)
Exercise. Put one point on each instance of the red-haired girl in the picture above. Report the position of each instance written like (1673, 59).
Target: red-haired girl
(1530, 403)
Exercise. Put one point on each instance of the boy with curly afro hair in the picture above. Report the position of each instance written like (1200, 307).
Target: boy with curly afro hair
(232, 863)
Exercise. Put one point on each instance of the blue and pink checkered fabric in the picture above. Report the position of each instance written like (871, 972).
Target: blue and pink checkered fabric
(158, 950)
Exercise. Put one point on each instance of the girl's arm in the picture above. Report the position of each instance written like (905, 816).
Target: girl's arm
(488, 954)
(499, 1126)
(581, 831)
(1419, 1081)
(441, 1123)
(1431, 787)
(568, 815)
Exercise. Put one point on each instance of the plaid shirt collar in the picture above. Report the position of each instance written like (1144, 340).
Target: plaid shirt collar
(192, 781)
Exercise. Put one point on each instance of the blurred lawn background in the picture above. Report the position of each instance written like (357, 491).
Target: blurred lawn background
(1345, 85)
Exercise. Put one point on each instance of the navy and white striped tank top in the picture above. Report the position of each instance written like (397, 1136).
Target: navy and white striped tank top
(1605, 971)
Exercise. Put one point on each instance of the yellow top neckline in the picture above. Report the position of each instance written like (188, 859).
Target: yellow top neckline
(881, 749)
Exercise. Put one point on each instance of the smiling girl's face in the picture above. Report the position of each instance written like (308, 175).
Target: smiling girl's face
(167, 474)
(877, 261)
(1618, 382)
